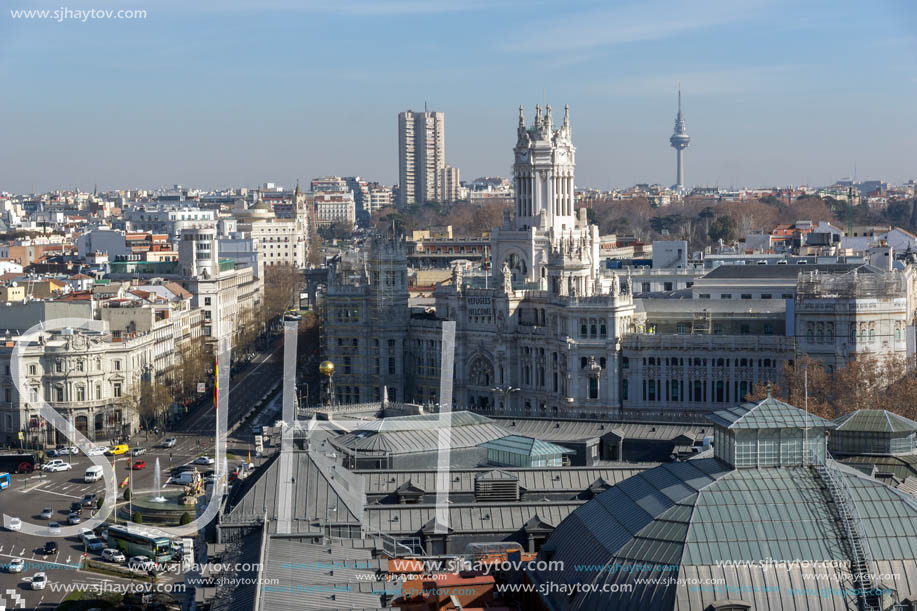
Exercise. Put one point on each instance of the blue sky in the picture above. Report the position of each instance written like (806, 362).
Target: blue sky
(235, 92)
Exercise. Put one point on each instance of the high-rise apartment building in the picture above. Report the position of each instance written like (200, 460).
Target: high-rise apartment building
(450, 184)
(421, 156)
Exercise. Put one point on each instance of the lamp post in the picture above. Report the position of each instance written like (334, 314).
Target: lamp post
(506, 391)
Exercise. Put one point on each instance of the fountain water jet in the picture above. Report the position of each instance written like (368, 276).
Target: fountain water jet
(157, 483)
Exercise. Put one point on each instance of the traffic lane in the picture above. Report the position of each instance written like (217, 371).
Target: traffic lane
(237, 384)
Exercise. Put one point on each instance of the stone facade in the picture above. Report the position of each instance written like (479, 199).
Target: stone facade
(551, 332)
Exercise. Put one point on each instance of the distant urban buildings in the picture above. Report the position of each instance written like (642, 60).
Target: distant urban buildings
(422, 171)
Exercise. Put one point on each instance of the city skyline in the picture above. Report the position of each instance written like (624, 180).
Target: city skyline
(777, 94)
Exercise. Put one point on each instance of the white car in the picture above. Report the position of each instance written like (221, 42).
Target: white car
(96, 451)
(39, 581)
(52, 464)
(203, 460)
(61, 467)
(141, 563)
(54, 527)
(16, 565)
(15, 524)
(47, 513)
(113, 555)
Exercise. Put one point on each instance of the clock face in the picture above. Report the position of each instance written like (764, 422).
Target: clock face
(562, 153)
(523, 155)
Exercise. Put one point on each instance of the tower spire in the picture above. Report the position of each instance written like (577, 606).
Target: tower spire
(679, 141)
(521, 116)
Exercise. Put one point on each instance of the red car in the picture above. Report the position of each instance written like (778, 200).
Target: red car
(139, 464)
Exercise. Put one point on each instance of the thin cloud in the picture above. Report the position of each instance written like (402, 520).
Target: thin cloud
(705, 83)
(632, 22)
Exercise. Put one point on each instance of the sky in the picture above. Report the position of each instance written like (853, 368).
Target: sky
(236, 93)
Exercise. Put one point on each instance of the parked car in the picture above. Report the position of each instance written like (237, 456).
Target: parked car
(39, 581)
(76, 507)
(15, 524)
(138, 465)
(112, 555)
(53, 453)
(47, 513)
(181, 469)
(203, 460)
(89, 500)
(54, 527)
(138, 451)
(16, 565)
(73, 519)
(141, 563)
(49, 548)
(169, 442)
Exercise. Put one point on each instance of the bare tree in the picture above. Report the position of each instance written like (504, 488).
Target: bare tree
(865, 382)
(150, 401)
(282, 284)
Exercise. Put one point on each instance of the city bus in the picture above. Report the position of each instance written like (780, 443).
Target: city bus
(139, 543)
(4, 481)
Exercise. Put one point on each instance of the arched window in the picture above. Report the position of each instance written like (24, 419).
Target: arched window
(829, 334)
(603, 332)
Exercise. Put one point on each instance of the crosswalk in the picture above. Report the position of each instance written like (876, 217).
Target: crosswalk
(18, 601)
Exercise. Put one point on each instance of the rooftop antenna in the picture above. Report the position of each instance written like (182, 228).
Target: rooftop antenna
(425, 106)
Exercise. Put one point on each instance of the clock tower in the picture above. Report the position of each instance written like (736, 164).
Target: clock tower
(545, 239)
(543, 173)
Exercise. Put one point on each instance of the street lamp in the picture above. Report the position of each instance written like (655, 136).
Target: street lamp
(506, 391)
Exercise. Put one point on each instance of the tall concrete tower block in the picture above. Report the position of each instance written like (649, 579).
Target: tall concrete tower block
(421, 156)
(679, 141)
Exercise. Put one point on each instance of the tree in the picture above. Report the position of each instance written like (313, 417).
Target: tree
(247, 329)
(151, 404)
(127, 494)
(865, 382)
(138, 519)
(282, 284)
(194, 362)
(185, 519)
(723, 228)
(314, 256)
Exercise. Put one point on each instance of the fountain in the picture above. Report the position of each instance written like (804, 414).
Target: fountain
(157, 482)
(164, 507)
